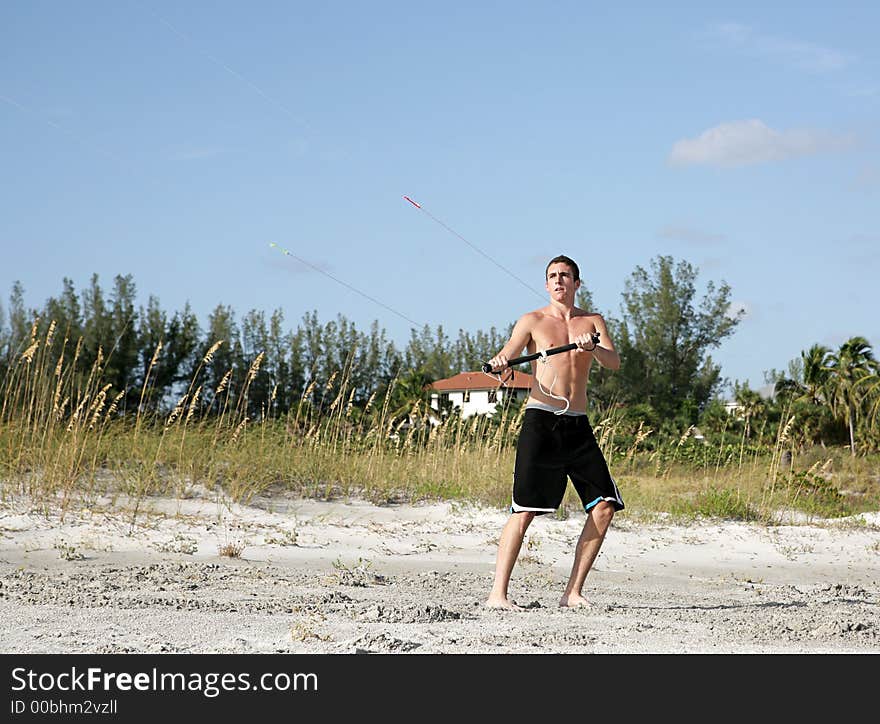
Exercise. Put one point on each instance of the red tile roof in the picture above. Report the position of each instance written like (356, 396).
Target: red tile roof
(480, 381)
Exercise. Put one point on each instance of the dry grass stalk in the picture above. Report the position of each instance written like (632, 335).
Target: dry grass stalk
(209, 355)
(28, 354)
(255, 367)
(97, 406)
(231, 550)
(114, 405)
(175, 413)
(224, 383)
(192, 405)
(238, 429)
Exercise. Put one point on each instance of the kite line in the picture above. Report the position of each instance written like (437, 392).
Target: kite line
(474, 247)
(287, 252)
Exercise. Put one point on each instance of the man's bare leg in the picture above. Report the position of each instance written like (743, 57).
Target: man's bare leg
(508, 549)
(588, 545)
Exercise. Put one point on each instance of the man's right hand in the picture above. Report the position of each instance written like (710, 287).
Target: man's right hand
(499, 363)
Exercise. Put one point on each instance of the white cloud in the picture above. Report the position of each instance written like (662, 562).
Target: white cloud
(683, 232)
(740, 143)
(793, 53)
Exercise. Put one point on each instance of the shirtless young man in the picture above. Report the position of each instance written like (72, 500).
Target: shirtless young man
(556, 442)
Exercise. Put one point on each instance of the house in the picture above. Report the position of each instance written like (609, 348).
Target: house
(476, 393)
(766, 393)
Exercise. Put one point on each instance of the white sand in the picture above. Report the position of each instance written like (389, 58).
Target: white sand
(347, 577)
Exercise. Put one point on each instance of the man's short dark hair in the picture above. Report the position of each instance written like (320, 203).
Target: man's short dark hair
(563, 259)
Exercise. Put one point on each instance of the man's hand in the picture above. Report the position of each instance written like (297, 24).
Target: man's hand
(586, 342)
(499, 363)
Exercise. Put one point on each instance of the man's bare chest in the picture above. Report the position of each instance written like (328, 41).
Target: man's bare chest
(554, 333)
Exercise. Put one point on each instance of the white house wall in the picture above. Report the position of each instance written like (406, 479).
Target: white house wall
(479, 401)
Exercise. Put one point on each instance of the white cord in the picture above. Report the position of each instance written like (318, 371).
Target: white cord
(549, 392)
(501, 382)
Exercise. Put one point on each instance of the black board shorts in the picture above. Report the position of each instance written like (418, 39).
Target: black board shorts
(552, 448)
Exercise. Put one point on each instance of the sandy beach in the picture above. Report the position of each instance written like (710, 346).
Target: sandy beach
(351, 577)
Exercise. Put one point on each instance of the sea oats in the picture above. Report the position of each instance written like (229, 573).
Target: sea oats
(192, 405)
(59, 409)
(209, 355)
(114, 405)
(308, 391)
(642, 433)
(687, 434)
(75, 417)
(239, 428)
(155, 356)
(255, 366)
(50, 333)
(97, 406)
(56, 397)
(175, 413)
(223, 383)
(60, 364)
(783, 436)
(29, 353)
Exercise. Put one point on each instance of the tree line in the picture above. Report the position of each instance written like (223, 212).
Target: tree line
(664, 335)
(135, 345)
(833, 395)
(665, 332)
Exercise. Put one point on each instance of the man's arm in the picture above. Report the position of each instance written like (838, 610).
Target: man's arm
(604, 352)
(519, 339)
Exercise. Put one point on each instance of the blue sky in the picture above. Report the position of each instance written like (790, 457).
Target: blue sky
(175, 141)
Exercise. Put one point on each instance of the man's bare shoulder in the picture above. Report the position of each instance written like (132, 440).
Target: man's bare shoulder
(532, 318)
(590, 316)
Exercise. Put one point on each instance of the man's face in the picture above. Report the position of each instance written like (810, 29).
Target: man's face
(561, 282)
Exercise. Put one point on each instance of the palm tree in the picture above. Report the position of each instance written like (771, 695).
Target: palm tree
(847, 370)
(869, 389)
(787, 389)
(751, 405)
(410, 395)
(815, 373)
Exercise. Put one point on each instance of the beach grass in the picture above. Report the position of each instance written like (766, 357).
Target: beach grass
(64, 440)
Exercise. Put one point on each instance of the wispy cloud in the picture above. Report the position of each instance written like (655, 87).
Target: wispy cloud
(740, 143)
(691, 235)
(790, 52)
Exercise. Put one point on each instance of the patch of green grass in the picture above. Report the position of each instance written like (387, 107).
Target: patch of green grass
(716, 503)
(813, 494)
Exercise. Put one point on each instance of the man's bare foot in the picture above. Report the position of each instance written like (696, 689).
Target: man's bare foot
(574, 600)
(502, 603)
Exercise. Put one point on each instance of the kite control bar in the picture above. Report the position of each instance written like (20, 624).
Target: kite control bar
(529, 357)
